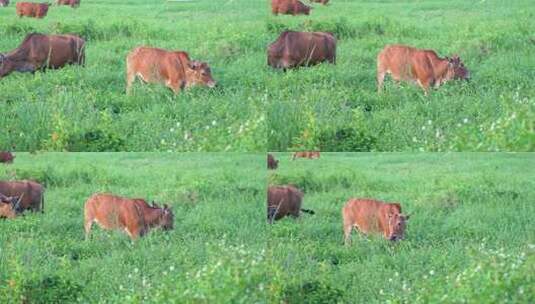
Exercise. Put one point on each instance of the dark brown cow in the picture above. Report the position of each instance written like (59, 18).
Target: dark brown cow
(6, 157)
(283, 201)
(40, 52)
(9, 206)
(134, 216)
(272, 163)
(4, 3)
(31, 194)
(289, 7)
(306, 154)
(172, 68)
(29, 9)
(324, 2)
(373, 216)
(71, 3)
(423, 67)
(293, 49)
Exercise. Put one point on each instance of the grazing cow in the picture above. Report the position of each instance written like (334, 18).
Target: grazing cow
(9, 206)
(6, 157)
(4, 3)
(373, 216)
(71, 3)
(31, 194)
(283, 201)
(293, 49)
(134, 216)
(306, 154)
(324, 2)
(7, 210)
(39, 52)
(423, 67)
(272, 163)
(29, 9)
(289, 7)
(172, 68)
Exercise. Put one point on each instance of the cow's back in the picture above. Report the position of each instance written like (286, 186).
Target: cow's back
(31, 192)
(404, 62)
(113, 212)
(285, 199)
(156, 65)
(364, 213)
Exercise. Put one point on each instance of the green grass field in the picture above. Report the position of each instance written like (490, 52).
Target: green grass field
(337, 108)
(86, 109)
(216, 198)
(332, 108)
(470, 237)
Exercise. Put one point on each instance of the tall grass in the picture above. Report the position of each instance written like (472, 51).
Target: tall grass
(328, 107)
(86, 109)
(469, 238)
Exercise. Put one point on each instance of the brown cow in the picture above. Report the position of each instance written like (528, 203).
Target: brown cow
(293, 49)
(283, 201)
(29, 9)
(39, 52)
(172, 68)
(369, 216)
(324, 2)
(7, 210)
(9, 206)
(31, 194)
(289, 7)
(423, 67)
(306, 154)
(134, 216)
(71, 3)
(6, 157)
(272, 163)
(4, 3)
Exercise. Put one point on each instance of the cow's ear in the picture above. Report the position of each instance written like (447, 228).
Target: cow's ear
(193, 65)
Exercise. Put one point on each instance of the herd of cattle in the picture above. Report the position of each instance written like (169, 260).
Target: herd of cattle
(175, 70)
(136, 217)
(366, 215)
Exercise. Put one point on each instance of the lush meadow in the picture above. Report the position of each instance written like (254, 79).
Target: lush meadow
(86, 109)
(337, 108)
(469, 240)
(328, 107)
(217, 200)
(470, 237)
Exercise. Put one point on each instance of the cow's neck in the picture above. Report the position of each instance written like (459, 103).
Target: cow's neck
(440, 68)
(19, 60)
(152, 215)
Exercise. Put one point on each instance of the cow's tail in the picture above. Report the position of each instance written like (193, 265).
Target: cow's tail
(43, 202)
(309, 211)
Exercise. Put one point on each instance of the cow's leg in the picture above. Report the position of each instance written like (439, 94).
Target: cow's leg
(174, 86)
(380, 79)
(347, 233)
(87, 227)
(130, 78)
(424, 85)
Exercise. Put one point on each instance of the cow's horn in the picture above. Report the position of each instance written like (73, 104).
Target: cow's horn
(17, 205)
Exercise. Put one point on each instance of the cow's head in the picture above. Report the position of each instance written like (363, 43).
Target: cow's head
(166, 218)
(457, 68)
(396, 224)
(5, 65)
(10, 206)
(199, 73)
(306, 9)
